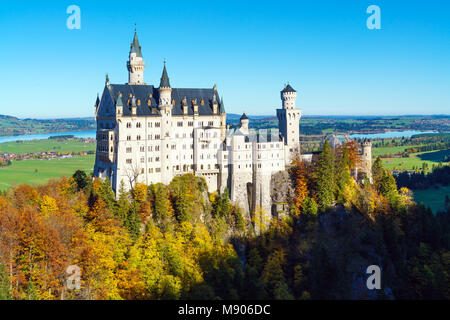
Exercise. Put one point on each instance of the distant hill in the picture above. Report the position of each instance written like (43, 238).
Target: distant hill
(14, 126)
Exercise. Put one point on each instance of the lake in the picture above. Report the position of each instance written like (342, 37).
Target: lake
(388, 134)
(92, 134)
(38, 136)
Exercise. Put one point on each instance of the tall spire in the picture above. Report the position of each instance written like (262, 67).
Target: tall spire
(135, 47)
(164, 78)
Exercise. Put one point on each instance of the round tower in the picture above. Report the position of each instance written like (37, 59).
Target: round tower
(366, 147)
(288, 97)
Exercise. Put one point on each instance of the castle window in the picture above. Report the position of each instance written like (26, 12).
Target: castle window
(149, 137)
(150, 148)
(129, 161)
(180, 123)
(157, 124)
(150, 170)
(150, 124)
(138, 125)
(158, 169)
(128, 124)
(202, 102)
(142, 170)
(138, 137)
(157, 159)
(129, 150)
(173, 101)
(150, 95)
(191, 123)
(142, 149)
(142, 160)
(120, 94)
(210, 123)
(131, 95)
(149, 102)
(128, 138)
(139, 102)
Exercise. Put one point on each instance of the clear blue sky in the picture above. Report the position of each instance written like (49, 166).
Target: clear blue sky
(248, 48)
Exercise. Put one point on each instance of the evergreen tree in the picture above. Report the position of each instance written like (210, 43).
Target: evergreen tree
(325, 178)
(80, 178)
(377, 172)
(133, 222)
(122, 206)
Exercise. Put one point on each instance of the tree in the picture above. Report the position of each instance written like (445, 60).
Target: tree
(80, 178)
(377, 171)
(5, 283)
(298, 173)
(325, 178)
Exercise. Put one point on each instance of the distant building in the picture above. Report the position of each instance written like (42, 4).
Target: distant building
(151, 134)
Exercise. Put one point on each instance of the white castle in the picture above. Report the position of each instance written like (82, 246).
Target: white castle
(148, 134)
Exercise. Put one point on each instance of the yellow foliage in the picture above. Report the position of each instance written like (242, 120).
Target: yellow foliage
(48, 206)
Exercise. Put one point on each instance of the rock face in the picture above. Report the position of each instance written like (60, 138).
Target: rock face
(281, 191)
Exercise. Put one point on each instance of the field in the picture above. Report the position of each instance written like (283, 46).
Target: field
(35, 172)
(434, 197)
(46, 145)
(416, 160)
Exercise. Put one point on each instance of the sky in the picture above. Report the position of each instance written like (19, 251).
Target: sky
(249, 49)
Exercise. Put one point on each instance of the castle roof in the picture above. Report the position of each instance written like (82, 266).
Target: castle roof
(164, 78)
(144, 93)
(244, 117)
(135, 47)
(288, 88)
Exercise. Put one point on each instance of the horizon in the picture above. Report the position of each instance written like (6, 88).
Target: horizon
(250, 50)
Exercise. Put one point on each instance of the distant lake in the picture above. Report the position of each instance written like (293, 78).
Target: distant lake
(92, 134)
(39, 136)
(388, 134)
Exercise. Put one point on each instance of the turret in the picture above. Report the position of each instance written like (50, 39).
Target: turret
(119, 106)
(135, 63)
(165, 91)
(289, 122)
(288, 97)
(244, 124)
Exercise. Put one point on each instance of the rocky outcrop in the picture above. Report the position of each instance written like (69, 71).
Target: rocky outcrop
(281, 191)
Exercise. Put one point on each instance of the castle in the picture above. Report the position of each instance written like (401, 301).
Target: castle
(148, 134)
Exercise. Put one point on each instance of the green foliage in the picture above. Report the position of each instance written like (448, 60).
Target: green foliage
(80, 178)
(325, 178)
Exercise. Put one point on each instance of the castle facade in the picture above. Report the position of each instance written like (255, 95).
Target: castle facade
(148, 134)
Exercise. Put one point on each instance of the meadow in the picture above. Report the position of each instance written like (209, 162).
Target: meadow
(434, 197)
(35, 172)
(46, 145)
(416, 160)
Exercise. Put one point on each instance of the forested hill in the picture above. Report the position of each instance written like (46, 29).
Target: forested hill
(14, 126)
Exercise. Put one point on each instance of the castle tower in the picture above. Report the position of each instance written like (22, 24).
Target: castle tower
(289, 122)
(165, 91)
(165, 107)
(135, 63)
(244, 124)
(366, 146)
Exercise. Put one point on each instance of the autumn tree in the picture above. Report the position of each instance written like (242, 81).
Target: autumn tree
(298, 173)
